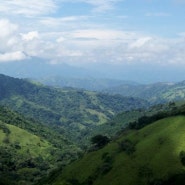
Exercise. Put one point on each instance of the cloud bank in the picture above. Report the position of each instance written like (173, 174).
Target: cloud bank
(89, 45)
(43, 29)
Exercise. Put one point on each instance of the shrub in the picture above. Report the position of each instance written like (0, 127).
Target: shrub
(100, 141)
(127, 146)
(182, 157)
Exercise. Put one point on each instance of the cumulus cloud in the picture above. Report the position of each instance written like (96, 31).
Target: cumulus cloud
(89, 45)
(30, 36)
(12, 56)
(8, 35)
(7, 28)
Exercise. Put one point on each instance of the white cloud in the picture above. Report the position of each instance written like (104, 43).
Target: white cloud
(8, 35)
(102, 34)
(30, 36)
(7, 28)
(12, 56)
(140, 42)
(27, 8)
(54, 22)
(88, 45)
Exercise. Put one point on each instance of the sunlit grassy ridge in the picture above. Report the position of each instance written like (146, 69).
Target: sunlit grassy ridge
(27, 142)
(25, 157)
(152, 156)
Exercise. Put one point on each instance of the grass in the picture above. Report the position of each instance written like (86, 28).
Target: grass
(27, 142)
(102, 117)
(156, 157)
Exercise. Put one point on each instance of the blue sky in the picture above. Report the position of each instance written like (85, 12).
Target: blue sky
(82, 32)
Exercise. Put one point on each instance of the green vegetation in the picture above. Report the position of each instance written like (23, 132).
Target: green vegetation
(126, 118)
(139, 146)
(99, 141)
(148, 156)
(74, 112)
(30, 150)
(154, 93)
(24, 156)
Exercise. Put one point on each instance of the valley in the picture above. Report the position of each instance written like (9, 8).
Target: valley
(43, 129)
(92, 92)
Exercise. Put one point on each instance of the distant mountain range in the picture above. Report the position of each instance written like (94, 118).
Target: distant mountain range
(92, 84)
(154, 93)
(40, 68)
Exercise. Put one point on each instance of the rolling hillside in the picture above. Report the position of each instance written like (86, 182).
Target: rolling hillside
(154, 93)
(29, 150)
(153, 155)
(72, 111)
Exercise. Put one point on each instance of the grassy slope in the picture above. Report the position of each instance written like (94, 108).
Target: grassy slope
(27, 141)
(156, 157)
(29, 150)
(25, 157)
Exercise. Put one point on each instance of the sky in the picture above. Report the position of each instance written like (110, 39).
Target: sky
(100, 32)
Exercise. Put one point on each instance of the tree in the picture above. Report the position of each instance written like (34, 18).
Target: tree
(100, 141)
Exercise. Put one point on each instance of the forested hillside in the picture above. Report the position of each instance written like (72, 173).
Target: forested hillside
(154, 93)
(73, 111)
(29, 150)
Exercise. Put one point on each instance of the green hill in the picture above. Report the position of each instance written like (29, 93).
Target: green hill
(153, 155)
(30, 150)
(73, 111)
(124, 119)
(24, 157)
